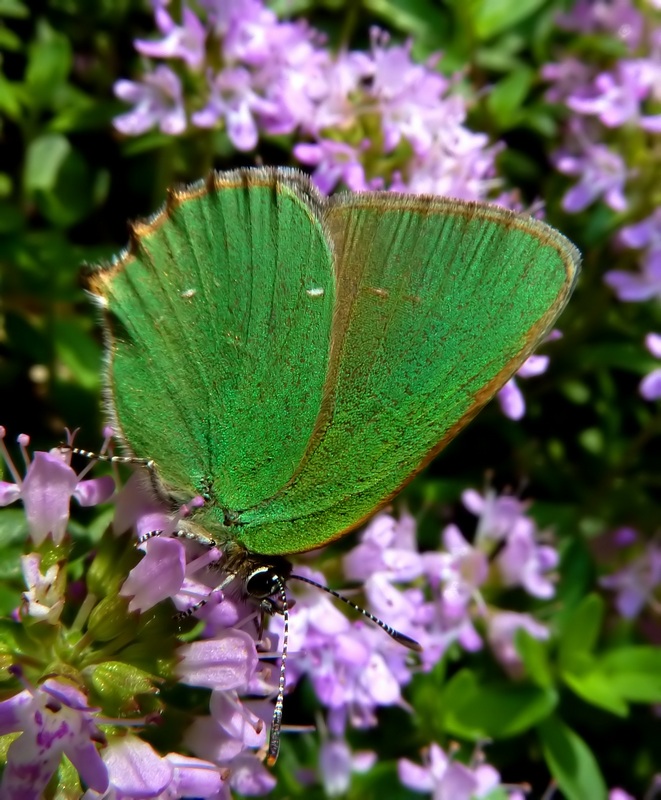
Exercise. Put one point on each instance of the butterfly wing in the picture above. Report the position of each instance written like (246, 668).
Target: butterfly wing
(438, 304)
(218, 322)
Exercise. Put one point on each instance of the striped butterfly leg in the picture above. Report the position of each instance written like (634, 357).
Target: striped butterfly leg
(92, 456)
(205, 541)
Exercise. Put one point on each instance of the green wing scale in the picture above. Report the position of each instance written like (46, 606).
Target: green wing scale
(296, 360)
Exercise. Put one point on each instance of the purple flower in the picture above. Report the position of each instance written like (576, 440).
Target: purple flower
(226, 738)
(354, 668)
(636, 287)
(44, 597)
(510, 396)
(233, 100)
(619, 794)
(47, 488)
(227, 661)
(463, 570)
(249, 776)
(637, 583)
(603, 174)
(498, 514)
(335, 162)
(186, 41)
(387, 545)
(135, 769)
(522, 561)
(568, 77)
(233, 727)
(53, 720)
(618, 17)
(408, 95)
(616, 98)
(446, 779)
(337, 762)
(158, 576)
(458, 163)
(332, 95)
(192, 777)
(277, 78)
(502, 629)
(650, 386)
(158, 103)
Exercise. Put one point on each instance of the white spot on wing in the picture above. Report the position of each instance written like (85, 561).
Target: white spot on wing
(317, 291)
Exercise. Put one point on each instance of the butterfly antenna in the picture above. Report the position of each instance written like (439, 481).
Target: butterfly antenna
(400, 638)
(276, 722)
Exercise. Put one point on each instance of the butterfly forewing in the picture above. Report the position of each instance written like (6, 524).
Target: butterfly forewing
(219, 320)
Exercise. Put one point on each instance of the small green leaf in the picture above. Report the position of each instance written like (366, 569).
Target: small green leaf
(66, 782)
(14, 8)
(49, 64)
(44, 160)
(571, 762)
(78, 351)
(507, 97)
(117, 684)
(635, 672)
(415, 17)
(580, 631)
(110, 618)
(534, 654)
(9, 40)
(11, 97)
(59, 179)
(595, 687)
(493, 17)
(498, 709)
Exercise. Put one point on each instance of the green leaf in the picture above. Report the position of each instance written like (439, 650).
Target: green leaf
(65, 784)
(379, 782)
(415, 17)
(9, 40)
(44, 160)
(13, 535)
(49, 64)
(117, 684)
(507, 97)
(595, 687)
(11, 97)
(580, 631)
(571, 762)
(78, 351)
(14, 8)
(59, 179)
(635, 672)
(493, 17)
(534, 654)
(497, 709)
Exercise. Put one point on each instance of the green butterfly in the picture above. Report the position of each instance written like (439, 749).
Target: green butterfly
(296, 359)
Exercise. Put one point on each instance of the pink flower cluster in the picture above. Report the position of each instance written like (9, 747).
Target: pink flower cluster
(369, 119)
(612, 136)
(55, 718)
(354, 668)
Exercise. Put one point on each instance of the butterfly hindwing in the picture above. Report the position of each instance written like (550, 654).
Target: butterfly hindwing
(438, 303)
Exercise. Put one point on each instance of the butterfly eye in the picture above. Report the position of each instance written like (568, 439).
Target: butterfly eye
(263, 582)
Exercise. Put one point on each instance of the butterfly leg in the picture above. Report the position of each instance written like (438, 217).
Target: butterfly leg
(142, 462)
(200, 538)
